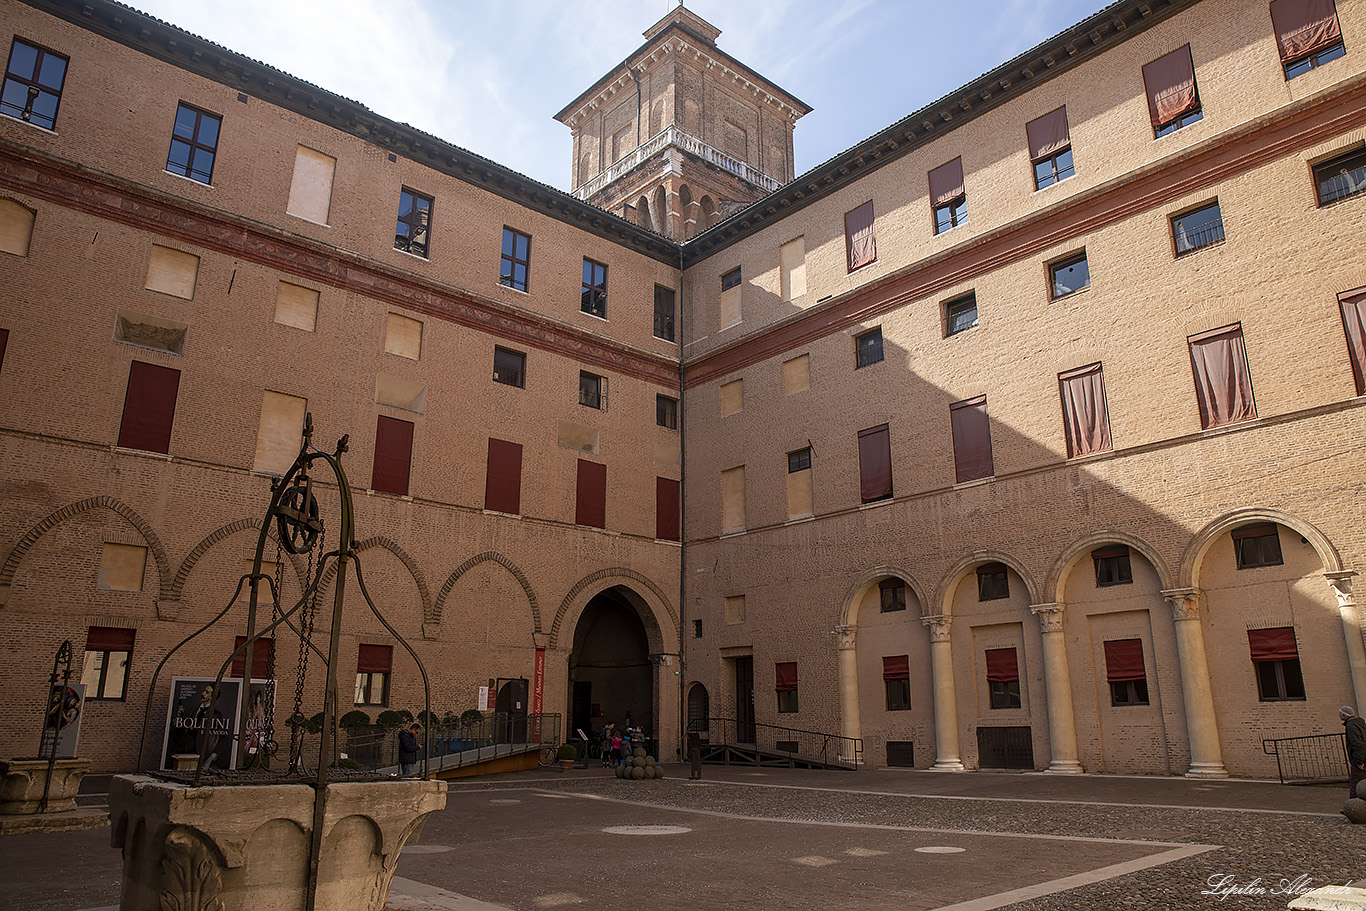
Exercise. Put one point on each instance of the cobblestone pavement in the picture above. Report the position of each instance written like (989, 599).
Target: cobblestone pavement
(778, 839)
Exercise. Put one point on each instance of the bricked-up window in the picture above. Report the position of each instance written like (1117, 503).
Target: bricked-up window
(1351, 303)
(1125, 673)
(993, 582)
(729, 303)
(516, 260)
(786, 686)
(972, 458)
(868, 348)
(1003, 678)
(1276, 659)
(262, 658)
(149, 407)
(731, 279)
(1202, 227)
(1050, 148)
(668, 516)
(1112, 565)
(594, 300)
(891, 595)
(194, 142)
(414, 223)
(590, 503)
(860, 245)
(592, 390)
(1173, 101)
(1307, 34)
(16, 227)
(1257, 545)
(374, 664)
(1341, 177)
(664, 313)
(960, 314)
(896, 677)
(393, 455)
(1223, 384)
(1067, 276)
(33, 84)
(1085, 415)
(108, 651)
(948, 197)
(503, 479)
(509, 367)
(875, 463)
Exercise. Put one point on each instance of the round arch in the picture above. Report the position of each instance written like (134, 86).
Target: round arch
(658, 615)
(488, 556)
(1200, 545)
(854, 596)
(187, 565)
(944, 593)
(402, 555)
(1063, 566)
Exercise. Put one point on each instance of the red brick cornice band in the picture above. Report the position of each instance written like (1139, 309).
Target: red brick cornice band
(105, 196)
(1291, 129)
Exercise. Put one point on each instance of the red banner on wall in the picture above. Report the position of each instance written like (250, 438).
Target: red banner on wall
(537, 694)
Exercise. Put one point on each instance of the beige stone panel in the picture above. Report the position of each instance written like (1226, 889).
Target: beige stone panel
(578, 436)
(798, 494)
(735, 609)
(730, 306)
(277, 439)
(797, 374)
(733, 499)
(732, 397)
(150, 332)
(669, 453)
(172, 272)
(403, 336)
(405, 394)
(792, 262)
(121, 567)
(310, 194)
(296, 306)
(16, 227)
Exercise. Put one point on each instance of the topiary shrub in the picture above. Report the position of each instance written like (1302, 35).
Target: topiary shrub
(314, 724)
(390, 719)
(427, 719)
(471, 717)
(355, 719)
(347, 764)
(568, 751)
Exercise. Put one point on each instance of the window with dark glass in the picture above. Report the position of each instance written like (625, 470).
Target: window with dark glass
(1125, 672)
(1307, 34)
(33, 84)
(666, 412)
(1257, 545)
(1199, 228)
(194, 141)
(1173, 100)
(730, 279)
(590, 389)
(787, 687)
(1069, 275)
(509, 367)
(108, 651)
(1112, 565)
(868, 348)
(1003, 678)
(993, 582)
(948, 197)
(896, 678)
(799, 460)
(1050, 148)
(891, 595)
(373, 666)
(414, 223)
(1341, 177)
(1276, 660)
(960, 314)
(664, 313)
(594, 300)
(516, 259)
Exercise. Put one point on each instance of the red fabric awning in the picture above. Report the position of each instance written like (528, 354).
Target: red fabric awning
(1048, 135)
(1124, 661)
(860, 246)
(1170, 82)
(896, 667)
(1002, 666)
(875, 463)
(787, 676)
(1304, 27)
(946, 182)
(109, 639)
(1273, 644)
(374, 659)
(1353, 304)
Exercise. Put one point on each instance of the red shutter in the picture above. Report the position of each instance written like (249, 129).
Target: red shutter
(1273, 644)
(1170, 82)
(374, 659)
(4, 342)
(860, 246)
(1223, 384)
(1304, 27)
(591, 506)
(1002, 666)
(393, 455)
(875, 463)
(1124, 661)
(971, 440)
(896, 667)
(109, 639)
(260, 658)
(668, 525)
(503, 482)
(1353, 304)
(946, 182)
(1086, 420)
(787, 676)
(149, 407)
(1048, 135)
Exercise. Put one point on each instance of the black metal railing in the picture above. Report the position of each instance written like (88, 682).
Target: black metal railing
(1309, 760)
(1193, 238)
(777, 738)
(454, 745)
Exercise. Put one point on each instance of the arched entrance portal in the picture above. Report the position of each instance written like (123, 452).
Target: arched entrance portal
(610, 674)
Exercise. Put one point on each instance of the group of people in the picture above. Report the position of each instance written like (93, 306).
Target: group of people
(616, 745)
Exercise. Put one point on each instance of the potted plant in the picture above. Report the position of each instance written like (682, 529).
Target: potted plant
(568, 755)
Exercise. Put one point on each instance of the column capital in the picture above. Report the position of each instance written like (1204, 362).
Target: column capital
(938, 625)
(1050, 615)
(1342, 586)
(1185, 602)
(845, 636)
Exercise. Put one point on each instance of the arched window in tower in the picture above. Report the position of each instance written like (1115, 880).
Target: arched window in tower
(643, 217)
(687, 211)
(661, 212)
(708, 215)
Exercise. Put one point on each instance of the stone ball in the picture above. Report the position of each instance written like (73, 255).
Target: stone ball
(640, 751)
(649, 760)
(658, 770)
(620, 771)
(1355, 810)
(637, 773)
(1361, 789)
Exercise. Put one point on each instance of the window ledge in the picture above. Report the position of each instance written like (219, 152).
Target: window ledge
(1229, 428)
(668, 542)
(876, 503)
(195, 181)
(502, 515)
(419, 258)
(518, 290)
(1070, 294)
(164, 456)
(321, 224)
(798, 520)
(1185, 253)
(975, 482)
(734, 532)
(29, 123)
(594, 315)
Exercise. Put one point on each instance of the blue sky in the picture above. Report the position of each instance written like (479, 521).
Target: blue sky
(490, 75)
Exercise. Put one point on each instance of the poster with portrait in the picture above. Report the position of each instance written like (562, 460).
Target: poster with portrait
(260, 711)
(63, 723)
(188, 729)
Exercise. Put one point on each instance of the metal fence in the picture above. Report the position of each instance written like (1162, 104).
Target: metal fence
(375, 747)
(1309, 760)
(819, 746)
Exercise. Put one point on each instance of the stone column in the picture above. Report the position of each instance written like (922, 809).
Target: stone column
(945, 704)
(1351, 632)
(1062, 723)
(850, 725)
(1207, 758)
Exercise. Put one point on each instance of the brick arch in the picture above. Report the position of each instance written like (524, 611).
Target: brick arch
(1195, 552)
(486, 557)
(600, 581)
(35, 534)
(946, 584)
(856, 592)
(392, 546)
(177, 586)
(1062, 567)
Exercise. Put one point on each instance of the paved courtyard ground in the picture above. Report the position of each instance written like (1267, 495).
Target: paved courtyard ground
(778, 839)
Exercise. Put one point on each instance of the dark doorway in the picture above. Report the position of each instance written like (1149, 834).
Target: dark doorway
(512, 709)
(1005, 748)
(611, 661)
(582, 710)
(744, 699)
(699, 708)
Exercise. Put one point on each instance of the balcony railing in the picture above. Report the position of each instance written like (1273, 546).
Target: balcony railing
(673, 136)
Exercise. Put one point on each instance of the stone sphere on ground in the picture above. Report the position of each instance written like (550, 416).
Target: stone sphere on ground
(1355, 809)
(640, 751)
(658, 770)
(649, 760)
(620, 771)
(637, 773)
(1361, 789)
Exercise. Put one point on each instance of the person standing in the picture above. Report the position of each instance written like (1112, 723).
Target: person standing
(408, 750)
(1355, 728)
(605, 743)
